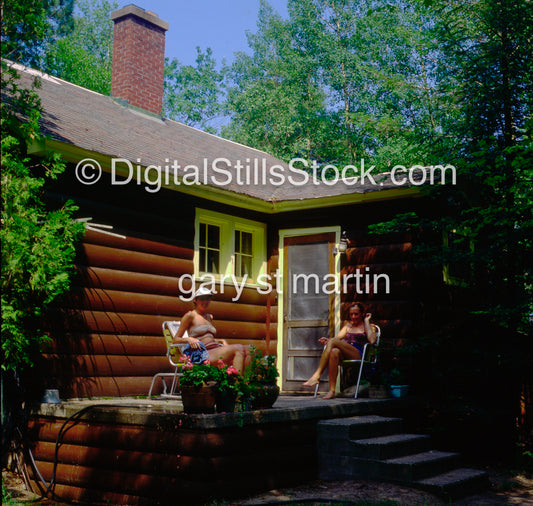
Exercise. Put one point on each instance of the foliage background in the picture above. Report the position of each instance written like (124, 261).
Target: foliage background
(38, 243)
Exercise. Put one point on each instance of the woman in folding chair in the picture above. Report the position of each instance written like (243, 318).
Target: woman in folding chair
(198, 323)
(347, 345)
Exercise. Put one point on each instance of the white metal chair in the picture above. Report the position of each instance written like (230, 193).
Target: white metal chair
(174, 352)
(369, 357)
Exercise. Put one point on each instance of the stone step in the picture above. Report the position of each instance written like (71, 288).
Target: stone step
(334, 435)
(456, 483)
(418, 466)
(388, 447)
(370, 447)
(359, 427)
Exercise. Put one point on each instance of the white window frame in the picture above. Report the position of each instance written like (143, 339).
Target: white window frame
(228, 224)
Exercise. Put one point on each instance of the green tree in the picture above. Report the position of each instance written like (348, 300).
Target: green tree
(374, 62)
(488, 61)
(28, 26)
(339, 81)
(274, 99)
(193, 94)
(38, 243)
(485, 69)
(84, 55)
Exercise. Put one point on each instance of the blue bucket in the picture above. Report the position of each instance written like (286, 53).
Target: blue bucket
(399, 390)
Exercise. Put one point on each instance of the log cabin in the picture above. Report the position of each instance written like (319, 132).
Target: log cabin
(169, 207)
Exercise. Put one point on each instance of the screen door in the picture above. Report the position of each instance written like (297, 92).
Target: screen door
(308, 308)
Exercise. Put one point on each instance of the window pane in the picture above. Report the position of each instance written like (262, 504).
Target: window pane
(202, 265)
(306, 338)
(243, 265)
(246, 243)
(237, 241)
(212, 261)
(203, 234)
(213, 236)
(246, 266)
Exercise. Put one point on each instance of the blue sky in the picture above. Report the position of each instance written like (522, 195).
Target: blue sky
(218, 24)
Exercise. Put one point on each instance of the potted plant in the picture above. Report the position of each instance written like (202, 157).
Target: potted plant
(199, 387)
(397, 382)
(260, 379)
(399, 367)
(228, 383)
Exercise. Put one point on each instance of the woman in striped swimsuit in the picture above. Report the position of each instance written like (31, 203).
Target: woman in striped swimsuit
(201, 335)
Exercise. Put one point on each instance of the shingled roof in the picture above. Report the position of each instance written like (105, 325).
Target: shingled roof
(98, 124)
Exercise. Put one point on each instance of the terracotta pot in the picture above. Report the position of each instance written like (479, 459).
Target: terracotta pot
(265, 396)
(199, 399)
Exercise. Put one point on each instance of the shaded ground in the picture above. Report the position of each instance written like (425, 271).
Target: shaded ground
(506, 489)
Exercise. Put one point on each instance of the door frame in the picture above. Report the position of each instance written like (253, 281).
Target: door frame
(295, 232)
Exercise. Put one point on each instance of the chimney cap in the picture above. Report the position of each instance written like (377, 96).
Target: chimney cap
(149, 16)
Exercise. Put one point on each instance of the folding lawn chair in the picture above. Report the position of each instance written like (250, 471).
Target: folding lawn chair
(174, 352)
(369, 357)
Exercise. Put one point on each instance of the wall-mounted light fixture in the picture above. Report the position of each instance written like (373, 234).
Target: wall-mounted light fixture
(342, 246)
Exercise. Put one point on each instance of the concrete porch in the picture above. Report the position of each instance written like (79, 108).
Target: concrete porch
(147, 451)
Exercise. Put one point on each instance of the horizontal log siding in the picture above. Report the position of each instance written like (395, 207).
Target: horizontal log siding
(106, 334)
(131, 464)
(390, 254)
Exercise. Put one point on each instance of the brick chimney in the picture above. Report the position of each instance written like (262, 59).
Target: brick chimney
(138, 58)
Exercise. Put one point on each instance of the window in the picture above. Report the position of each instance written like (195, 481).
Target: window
(459, 247)
(243, 253)
(209, 248)
(227, 245)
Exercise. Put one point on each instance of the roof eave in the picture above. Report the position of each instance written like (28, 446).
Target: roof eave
(75, 154)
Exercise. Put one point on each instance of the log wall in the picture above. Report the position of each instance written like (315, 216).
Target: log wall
(170, 463)
(106, 334)
(370, 257)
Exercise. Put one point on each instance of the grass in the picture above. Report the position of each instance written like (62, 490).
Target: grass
(7, 498)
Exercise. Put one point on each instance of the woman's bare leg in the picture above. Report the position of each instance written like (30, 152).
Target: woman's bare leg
(232, 354)
(324, 360)
(341, 351)
(247, 356)
(333, 368)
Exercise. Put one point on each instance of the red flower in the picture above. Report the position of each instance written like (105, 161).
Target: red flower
(232, 370)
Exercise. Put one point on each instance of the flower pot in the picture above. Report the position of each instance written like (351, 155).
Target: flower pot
(399, 390)
(378, 392)
(225, 401)
(199, 399)
(265, 396)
